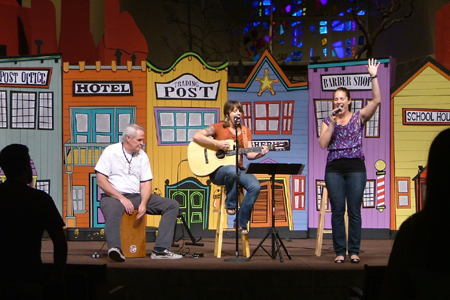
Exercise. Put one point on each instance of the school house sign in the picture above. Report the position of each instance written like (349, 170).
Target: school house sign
(187, 87)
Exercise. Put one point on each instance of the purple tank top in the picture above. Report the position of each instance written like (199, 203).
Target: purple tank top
(346, 141)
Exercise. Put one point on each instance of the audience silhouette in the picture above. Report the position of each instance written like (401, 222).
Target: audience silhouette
(419, 264)
(24, 215)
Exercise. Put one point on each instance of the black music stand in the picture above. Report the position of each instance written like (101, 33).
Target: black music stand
(272, 170)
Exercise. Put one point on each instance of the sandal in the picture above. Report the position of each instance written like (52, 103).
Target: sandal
(339, 259)
(243, 231)
(231, 211)
(354, 259)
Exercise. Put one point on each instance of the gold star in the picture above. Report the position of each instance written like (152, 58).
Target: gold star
(266, 83)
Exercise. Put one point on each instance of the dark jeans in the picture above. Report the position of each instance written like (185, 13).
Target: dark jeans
(226, 175)
(341, 186)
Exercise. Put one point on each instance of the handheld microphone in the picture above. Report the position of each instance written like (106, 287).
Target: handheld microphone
(337, 111)
(237, 121)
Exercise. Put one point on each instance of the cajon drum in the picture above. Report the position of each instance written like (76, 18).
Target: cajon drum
(132, 234)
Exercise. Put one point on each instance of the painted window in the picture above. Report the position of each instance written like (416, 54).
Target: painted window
(288, 115)
(403, 192)
(323, 109)
(78, 199)
(373, 126)
(299, 193)
(45, 112)
(267, 117)
(178, 125)
(100, 125)
(320, 184)
(23, 110)
(3, 110)
(369, 194)
(247, 108)
(304, 29)
(43, 185)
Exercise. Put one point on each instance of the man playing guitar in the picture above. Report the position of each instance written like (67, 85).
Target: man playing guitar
(222, 133)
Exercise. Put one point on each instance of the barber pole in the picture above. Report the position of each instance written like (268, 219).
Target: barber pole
(381, 184)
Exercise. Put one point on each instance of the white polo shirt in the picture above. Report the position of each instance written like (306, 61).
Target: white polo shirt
(125, 172)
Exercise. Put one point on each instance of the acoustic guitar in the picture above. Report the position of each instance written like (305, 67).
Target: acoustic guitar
(205, 160)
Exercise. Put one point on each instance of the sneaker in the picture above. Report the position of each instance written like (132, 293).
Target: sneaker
(116, 254)
(166, 254)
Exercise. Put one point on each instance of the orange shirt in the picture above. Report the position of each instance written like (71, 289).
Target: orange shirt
(221, 133)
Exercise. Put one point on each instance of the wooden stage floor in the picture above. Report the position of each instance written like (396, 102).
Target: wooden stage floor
(305, 276)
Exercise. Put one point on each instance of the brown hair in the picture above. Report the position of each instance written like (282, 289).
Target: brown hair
(346, 92)
(228, 107)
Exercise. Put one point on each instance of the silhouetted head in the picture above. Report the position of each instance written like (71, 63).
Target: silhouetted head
(15, 162)
(438, 173)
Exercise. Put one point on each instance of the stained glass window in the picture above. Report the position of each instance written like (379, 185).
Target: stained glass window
(302, 29)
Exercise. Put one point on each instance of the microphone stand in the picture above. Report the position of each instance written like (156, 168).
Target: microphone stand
(237, 258)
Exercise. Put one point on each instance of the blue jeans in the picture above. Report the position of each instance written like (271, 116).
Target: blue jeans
(350, 186)
(226, 175)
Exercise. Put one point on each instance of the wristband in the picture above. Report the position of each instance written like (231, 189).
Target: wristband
(372, 77)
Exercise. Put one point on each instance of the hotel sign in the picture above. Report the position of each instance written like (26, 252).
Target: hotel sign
(187, 87)
(102, 88)
(353, 82)
(25, 77)
(423, 116)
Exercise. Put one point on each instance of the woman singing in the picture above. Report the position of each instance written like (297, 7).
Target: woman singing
(345, 173)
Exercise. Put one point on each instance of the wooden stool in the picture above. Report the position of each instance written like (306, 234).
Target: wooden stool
(322, 211)
(221, 220)
(132, 234)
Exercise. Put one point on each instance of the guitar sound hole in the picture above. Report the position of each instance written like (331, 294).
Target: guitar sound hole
(220, 154)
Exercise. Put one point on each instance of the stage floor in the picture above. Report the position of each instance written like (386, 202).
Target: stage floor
(305, 276)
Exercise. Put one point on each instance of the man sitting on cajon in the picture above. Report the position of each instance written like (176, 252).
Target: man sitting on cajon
(124, 174)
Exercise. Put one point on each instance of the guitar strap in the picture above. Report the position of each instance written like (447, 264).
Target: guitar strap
(244, 136)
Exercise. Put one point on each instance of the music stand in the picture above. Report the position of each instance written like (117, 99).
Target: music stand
(272, 170)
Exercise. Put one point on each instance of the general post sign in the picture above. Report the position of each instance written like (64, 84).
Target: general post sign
(187, 87)
(352, 82)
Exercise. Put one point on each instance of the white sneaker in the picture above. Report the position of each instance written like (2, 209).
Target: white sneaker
(166, 254)
(116, 254)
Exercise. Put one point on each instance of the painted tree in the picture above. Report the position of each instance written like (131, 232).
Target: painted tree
(389, 12)
(208, 28)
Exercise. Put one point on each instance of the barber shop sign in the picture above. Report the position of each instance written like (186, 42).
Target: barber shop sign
(187, 87)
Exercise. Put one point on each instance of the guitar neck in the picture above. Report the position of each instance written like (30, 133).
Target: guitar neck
(244, 150)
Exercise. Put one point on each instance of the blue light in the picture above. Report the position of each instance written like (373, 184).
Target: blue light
(256, 58)
(337, 26)
(361, 13)
(323, 30)
(312, 28)
(325, 52)
(348, 25)
(298, 13)
(348, 52)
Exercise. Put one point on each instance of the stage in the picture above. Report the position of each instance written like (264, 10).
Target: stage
(305, 276)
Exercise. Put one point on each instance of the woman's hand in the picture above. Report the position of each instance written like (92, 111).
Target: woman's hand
(372, 66)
